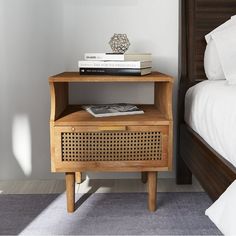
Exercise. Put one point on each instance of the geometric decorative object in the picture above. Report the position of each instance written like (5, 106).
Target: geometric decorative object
(119, 43)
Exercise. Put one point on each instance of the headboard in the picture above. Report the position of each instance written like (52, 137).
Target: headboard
(199, 17)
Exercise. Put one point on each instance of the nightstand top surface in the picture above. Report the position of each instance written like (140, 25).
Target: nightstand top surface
(76, 77)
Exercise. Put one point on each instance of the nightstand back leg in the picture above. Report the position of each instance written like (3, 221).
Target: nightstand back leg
(78, 177)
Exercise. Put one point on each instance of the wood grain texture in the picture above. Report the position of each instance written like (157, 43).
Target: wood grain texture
(133, 143)
(59, 99)
(163, 98)
(199, 17)
(170, 141)
(163, 102)
(52, 148)
(78, 177)
(152, 191)
(70, 191)
(76, 77)
(202, 16)
(213, 172)
(116, 166)
(75, 115)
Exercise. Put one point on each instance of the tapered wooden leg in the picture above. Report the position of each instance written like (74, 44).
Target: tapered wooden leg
(78, 177)
(152, 190)
(70, 191)
(144, 177)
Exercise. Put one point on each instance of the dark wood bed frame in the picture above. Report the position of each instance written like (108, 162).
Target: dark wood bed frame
(195, 156)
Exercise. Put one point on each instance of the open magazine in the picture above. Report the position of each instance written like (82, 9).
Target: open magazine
(117, 109)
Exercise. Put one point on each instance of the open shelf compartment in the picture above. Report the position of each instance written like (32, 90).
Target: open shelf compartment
(76, 115)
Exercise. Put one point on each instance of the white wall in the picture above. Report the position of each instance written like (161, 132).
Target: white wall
(30, 51)
(39, 38)
(151, 26)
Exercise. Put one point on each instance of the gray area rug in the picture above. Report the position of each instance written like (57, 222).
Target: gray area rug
(106, 214)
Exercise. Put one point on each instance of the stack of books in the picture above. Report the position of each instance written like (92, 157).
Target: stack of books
(135, 64)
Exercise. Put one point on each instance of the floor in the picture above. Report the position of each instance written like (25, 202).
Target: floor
(88, 185)
(180, 208)
(106, 214)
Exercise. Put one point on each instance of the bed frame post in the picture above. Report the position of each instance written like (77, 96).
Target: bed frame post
(183, 174)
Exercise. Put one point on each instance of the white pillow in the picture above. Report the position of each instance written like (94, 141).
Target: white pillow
(212, 64)
(224, 26)
(223, 212)
(225, 41)
(224, 51)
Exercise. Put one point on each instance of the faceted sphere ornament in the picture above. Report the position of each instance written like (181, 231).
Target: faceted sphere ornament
(119, 43)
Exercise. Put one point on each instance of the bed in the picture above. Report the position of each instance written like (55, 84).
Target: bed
(213, 167)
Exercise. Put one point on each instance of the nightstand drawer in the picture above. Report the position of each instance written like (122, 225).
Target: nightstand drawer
(81, 145)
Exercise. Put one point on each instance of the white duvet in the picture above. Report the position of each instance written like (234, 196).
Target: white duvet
(223, 211)
(210, 110)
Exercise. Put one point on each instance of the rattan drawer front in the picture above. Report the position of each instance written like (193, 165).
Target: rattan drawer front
(111, 146)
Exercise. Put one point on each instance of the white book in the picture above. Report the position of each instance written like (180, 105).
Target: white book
(115, 64)
(118, 57)
(117, 109)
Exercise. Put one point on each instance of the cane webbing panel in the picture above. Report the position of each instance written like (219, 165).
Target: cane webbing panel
(111, 146)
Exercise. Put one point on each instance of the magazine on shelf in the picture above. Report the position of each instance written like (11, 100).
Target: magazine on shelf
(116, 109)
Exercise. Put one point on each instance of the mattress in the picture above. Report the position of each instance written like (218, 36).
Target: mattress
(210, 110)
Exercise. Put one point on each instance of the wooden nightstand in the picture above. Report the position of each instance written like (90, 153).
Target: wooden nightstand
(134, 143)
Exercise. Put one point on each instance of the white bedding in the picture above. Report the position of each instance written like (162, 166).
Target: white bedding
(210, 110)
(222, 211)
